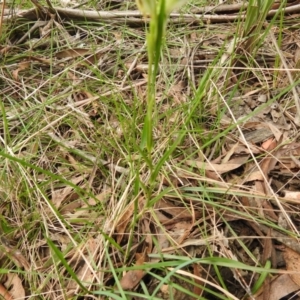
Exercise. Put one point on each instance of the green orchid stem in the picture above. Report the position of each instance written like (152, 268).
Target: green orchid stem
(155, 36)
(154, 42)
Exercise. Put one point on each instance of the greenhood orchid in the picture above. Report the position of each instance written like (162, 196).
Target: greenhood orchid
(158, 11)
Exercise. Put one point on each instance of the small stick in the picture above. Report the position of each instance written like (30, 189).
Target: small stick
(1, 16)
(135, 17)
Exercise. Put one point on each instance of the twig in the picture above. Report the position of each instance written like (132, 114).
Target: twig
(36, 25)
(223, 8)
(2, 15)
(135, 17)
(41, 11)
(132, 66)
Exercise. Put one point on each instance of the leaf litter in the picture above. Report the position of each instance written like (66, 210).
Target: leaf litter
(68, 91)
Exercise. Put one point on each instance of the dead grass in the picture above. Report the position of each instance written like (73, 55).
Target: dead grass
(77, 219)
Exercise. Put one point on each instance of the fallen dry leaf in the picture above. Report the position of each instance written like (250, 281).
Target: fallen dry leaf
(291, 195)
(176, 91)
(163, 219)
(230, 153)
(123, 221)
(22, 66)
(102, 197)
(73, 53)
(268, 144)
(132, 278)
(148, 237)
(4, 293)
(277, 133)
(266, 288)
(197, 290)
(280, 287)
(14, 284)
(162, 243)
(220, 168)
(85, 273)
(266, 165)
(90, 56)
(58, 196)
(176, 212)
(15, 255)
(292, 260)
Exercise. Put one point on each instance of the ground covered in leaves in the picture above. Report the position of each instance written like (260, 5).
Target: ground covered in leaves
(76, 220)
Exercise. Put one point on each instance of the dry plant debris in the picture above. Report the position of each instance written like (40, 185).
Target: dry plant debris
(72, 105)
